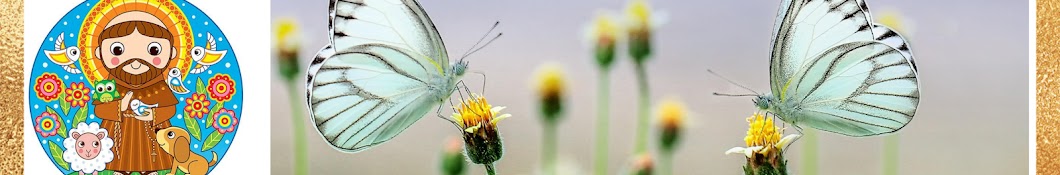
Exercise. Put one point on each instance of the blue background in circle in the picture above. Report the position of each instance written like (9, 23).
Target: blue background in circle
(200, 25)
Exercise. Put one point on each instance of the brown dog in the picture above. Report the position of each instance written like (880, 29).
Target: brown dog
(174, 141)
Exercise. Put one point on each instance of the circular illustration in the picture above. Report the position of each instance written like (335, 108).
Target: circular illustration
(144, 87)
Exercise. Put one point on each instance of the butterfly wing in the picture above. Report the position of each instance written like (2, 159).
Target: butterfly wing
(833, 70)
(374, 80)
(859, 88)
(401, 23)
(807, 28)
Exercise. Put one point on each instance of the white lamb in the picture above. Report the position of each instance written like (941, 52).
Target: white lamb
(88, 149)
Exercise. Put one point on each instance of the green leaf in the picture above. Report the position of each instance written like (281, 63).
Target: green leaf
(193, 126)
(57, 155)
(81, 115)
(211, 141)
(59, 119)
(200, 87)
(63, 104)
(216, 107)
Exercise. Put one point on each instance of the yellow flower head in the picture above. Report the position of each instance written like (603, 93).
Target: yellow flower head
(477, 120)
(894, 20)
(639, 13)
(764, 142)
(550, 83)
(762, 132)
(603, 35)
(286, 28)
(476, 114)
(605, 31)
(672, 114)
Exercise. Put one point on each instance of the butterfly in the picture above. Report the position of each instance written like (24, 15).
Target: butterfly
(833, 69)
(385, 68)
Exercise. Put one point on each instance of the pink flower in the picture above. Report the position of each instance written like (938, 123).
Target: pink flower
(225, 121)
(47, 124)
(48, 86)
(221, 87)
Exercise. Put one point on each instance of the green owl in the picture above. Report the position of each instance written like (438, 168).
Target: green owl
(105, 91)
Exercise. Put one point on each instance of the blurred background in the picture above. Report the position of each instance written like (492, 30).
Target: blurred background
(971, 56)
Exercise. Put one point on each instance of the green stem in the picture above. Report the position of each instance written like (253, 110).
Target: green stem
(890, 155)
(666, 161)
(642, 121)
(490, 170)
(549, 147)
(602, 125)
(809, 159)
(300, 153)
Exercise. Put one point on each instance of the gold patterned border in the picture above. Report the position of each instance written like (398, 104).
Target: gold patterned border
(1048, 84)
(11, 52)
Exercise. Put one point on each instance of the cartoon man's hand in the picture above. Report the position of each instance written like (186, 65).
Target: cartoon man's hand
(125, 101)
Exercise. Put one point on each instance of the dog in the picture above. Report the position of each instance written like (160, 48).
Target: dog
(174, 141)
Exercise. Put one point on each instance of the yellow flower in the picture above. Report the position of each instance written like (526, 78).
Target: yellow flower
(477, 120)
(604, 29)
(764, 141)
(550, 86)
(892, 19)
(286, 32)
(604, 34)
(671, 116)
(639, 14)
(641, 21)
(287, 46)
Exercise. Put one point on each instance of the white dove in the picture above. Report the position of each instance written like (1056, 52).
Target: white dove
(204, 57)
(64, 56)
(139, 108)
(175, 82)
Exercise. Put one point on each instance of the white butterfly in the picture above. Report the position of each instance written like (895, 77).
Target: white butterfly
(834, 70)
(385, 68)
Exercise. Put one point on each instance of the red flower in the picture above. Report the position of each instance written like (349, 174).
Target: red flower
(221, 87)
(48, 86)
(77, 94)
(197, 106)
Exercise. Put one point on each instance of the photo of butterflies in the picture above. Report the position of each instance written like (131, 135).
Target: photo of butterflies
(649, 87)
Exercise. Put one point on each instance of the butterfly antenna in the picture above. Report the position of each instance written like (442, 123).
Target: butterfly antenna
(484, 45)
(735, 95)
(470, 50)
(731, 82)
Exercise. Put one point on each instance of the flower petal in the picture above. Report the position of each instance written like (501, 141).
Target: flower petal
(783, 143)
(497, 109)
(472, 129)
(499, 118)
(750, 151)
(735, 150)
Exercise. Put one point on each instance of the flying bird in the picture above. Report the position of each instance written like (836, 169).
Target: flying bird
(204, 57)
(64, 56)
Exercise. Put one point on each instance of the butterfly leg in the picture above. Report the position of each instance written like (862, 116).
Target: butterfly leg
(439, 112)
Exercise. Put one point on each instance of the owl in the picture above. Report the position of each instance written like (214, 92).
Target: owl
(105, 91)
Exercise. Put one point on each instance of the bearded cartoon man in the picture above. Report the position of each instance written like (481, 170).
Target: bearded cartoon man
(135, 48)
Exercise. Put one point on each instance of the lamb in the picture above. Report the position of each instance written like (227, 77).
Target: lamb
(88, 149)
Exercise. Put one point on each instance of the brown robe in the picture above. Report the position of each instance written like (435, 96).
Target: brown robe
(135, 147)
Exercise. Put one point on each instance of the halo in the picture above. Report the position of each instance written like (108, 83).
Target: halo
(103, 12)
